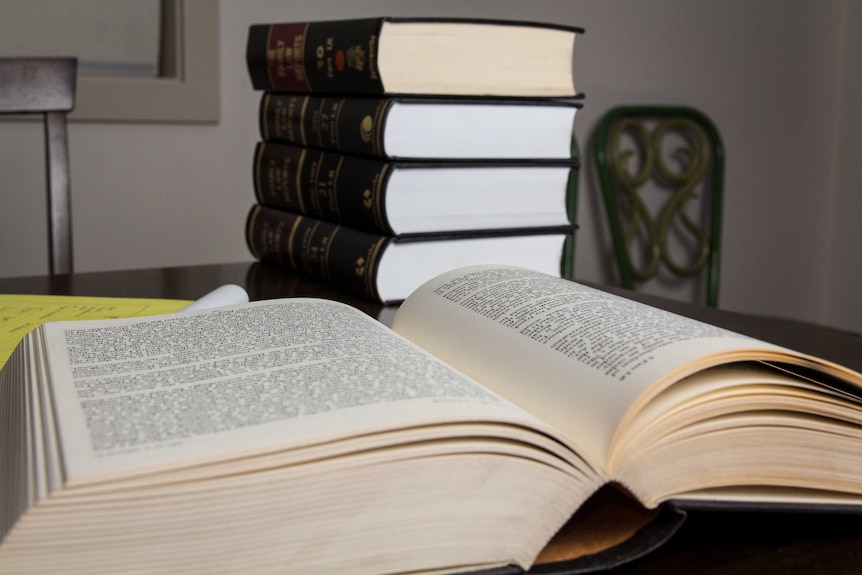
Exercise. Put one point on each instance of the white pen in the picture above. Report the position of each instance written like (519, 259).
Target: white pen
(224, 295)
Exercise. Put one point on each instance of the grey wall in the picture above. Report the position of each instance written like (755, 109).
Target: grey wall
(844, 259)
(779, 77)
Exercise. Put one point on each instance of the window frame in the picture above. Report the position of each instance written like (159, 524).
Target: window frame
(188, 89)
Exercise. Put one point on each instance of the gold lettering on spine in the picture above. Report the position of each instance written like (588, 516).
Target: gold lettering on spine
(280, 180)
(317, 123)
(309, 250)
(324, 56)
(277, 118)
(285, 114)
(283, 59)
(275, 179)
(280, 59)
(337, 122)
(315, 183)
(299, 55)
(328, 129)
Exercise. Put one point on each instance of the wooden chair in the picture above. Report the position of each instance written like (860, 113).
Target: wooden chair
(47, 86)
(634, 151)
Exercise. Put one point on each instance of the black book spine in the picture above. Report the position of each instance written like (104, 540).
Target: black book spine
(349, 190)
(345, 258)
(353, 125)
(323, 57)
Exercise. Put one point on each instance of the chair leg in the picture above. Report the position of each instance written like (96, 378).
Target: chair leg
(59, 195)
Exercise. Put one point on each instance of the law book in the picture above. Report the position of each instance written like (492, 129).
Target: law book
(386, 268)
(422, 128)
(301, 435)
(441, 56)
(398, 198)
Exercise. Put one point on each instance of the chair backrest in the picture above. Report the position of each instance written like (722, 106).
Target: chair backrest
(46, 86)
(676, 155)
(572, 203)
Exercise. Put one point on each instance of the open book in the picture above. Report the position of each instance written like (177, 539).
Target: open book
(303, 436)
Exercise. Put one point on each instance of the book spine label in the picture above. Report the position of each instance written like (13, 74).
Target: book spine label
(326, 57)
(353, 125)
(329, 186)
(343, 257)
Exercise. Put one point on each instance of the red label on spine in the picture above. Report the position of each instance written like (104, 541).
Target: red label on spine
(285, 57)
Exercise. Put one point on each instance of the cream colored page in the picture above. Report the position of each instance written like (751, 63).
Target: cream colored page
(260, 376)
(575, 357)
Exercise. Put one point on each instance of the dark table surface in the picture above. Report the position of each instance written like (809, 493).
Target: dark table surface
(709, 542)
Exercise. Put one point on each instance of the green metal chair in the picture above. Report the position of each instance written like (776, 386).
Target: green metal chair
(634, 149)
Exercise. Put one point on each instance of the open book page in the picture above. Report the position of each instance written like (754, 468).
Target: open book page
(250, 378)
(576, 357)
(743, 424)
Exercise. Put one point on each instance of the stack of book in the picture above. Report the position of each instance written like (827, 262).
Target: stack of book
(393, 150)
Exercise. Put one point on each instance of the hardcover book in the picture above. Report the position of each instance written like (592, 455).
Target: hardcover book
(417, 128)
(401, 198)
(386, 268)
(302, 435)
(441, 56)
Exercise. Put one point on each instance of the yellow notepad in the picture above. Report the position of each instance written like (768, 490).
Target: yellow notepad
(21, 313)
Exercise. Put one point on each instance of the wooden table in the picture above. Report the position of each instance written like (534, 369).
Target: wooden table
(709, 542)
